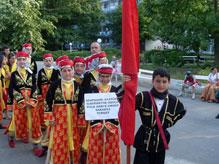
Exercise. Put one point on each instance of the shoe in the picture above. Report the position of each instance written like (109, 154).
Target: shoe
(193, 96)
(39, 152)
(25, 140)
(3, 126)
(217, 117)
(11, 143)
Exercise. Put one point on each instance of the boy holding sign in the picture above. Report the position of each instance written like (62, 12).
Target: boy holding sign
(103, 133)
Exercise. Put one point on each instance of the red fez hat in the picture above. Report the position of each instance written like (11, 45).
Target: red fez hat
(22, 54)
(102, 55)
(47, 56)
(66, 63)
(105, 69)
(61, 58)
(78, 59)
(27, 45)
(98, 55)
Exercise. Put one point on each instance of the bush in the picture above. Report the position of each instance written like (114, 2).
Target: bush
(110, 51)
(169, 57)
(38, 55)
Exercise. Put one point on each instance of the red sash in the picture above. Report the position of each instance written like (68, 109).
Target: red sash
(159, 124)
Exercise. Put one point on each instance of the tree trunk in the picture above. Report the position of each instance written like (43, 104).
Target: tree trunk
(216, 49)
(216, 38)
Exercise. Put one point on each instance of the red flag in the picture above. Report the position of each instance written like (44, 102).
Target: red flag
(130, 66)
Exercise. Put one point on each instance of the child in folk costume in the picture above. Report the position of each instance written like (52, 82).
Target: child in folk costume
(62, 99)
(158, 110)
(4, 77)
(79, 69)
(45, 77)
(25, 123)
(2, 91)
(12, 66)
(103, 135)
(31, 63)
(90, 77)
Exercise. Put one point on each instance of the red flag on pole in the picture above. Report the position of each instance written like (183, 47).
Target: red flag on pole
(130, 66)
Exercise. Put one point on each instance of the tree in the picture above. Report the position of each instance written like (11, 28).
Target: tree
(114, 20)
(21, 21)
(76, 21)
(215, 30)
(115, 24)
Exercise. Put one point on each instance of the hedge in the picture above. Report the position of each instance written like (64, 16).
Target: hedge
(110, 52)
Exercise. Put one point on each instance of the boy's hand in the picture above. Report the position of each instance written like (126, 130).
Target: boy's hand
(126, 78)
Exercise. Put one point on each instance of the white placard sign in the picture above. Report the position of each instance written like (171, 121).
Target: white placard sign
(101, 106)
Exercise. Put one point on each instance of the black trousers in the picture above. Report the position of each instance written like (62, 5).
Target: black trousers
(149, 157)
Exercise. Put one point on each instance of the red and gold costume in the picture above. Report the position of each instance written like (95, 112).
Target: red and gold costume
(62, 101)
(25, 123)
(45, 77)
(2, 103)
(79, 77)
(102, 140)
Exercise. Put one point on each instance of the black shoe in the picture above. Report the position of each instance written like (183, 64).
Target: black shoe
(217, 117)
(2, 126)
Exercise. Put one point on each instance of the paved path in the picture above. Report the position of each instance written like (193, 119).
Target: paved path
(194, 139)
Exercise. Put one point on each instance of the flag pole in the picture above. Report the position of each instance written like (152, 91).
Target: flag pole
(128, 154)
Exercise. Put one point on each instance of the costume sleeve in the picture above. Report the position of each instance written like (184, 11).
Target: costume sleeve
(178, 113)
(81, 102)
(14, 93)
(86, 82)
(33, 100)
(39, 83)
(138, 101)
(34, 67)
(120, 92)
(50, 97)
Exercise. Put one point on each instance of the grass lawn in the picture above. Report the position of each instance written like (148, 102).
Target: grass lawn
(179, 72)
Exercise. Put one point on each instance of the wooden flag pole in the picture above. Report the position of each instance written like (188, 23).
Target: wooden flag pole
(128, 154)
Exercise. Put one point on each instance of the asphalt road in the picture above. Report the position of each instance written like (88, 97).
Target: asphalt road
(194, 139)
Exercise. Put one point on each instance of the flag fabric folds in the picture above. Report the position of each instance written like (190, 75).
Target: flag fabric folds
(130, 66)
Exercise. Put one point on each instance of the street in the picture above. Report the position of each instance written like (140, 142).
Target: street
(194, 139)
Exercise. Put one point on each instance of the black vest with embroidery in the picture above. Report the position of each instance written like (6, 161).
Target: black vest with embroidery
(147, 137)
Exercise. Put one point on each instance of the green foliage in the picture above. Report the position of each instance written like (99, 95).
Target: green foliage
(167, 58)
(183, 23)
(38, 56)
(110, 52)
(21, 21)
(115, 24)
(204, 71)
(76, 21)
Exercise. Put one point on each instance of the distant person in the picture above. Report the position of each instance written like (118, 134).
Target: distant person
(2, 91)
(117, 70)
(91, 60)
(6, 51)
(208, 93)
(31, 63)
(189, 81)
(113, 62)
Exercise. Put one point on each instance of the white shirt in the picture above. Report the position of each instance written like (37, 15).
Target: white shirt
(159, 104)
(212, 78)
